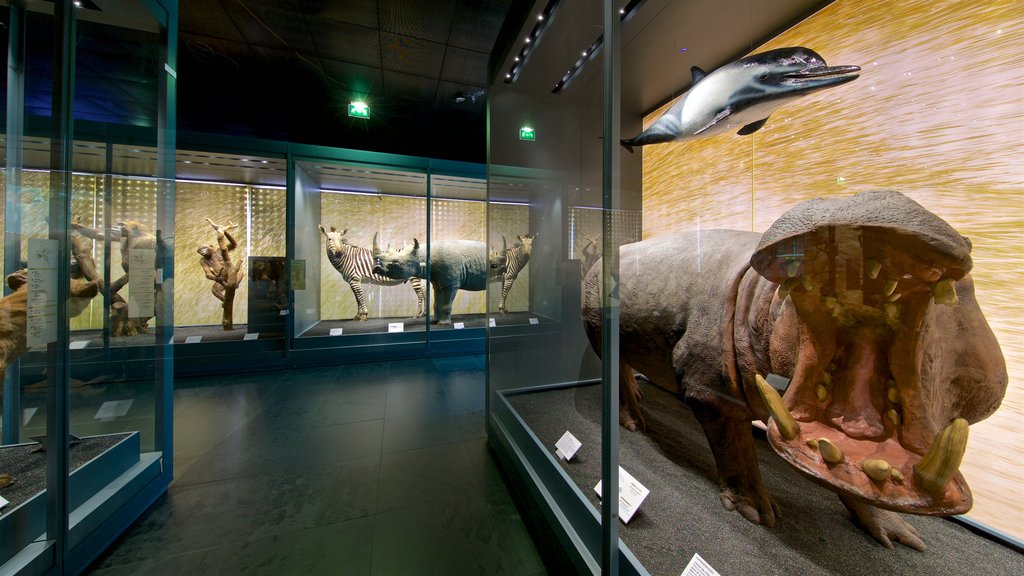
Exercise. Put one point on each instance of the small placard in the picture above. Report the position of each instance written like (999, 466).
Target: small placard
(284, 312)
(459, 325)
(567, 446)
(699, 567)
(78, 344)
(490, 322)
(3, 502)
(336, 331)
(113, 409)
(534, 321)
(251, 336)
(631, 495)
(193, 339)
(396, 327)
(159, 278)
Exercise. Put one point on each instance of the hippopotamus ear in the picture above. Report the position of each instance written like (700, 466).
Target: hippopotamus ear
(877, 220)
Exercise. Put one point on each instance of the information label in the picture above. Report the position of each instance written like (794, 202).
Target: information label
(3, 502)
(490, 322)
(193, 339)
(336, 331)
(631, 495)
(699, 567)
(27, 414)
(251, 336)
(141, 279)
(42, 292)
(113, 409)
(567, 446)
(396, 327)
(458, 325)
(284, 313)
(534, 321)
(78, 344)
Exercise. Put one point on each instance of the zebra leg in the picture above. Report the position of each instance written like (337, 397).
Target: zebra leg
(421, 296)
(357, 291)
(506, 287)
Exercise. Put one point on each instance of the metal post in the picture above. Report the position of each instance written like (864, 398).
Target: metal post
(12, 227)
(609, 294)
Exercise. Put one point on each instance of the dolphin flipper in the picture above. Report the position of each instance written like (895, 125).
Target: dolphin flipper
(627, 144)
(697, 74)
(718, 118)
(752, 127)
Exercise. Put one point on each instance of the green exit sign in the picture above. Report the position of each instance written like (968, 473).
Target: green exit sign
(359, 110)
(527, 134)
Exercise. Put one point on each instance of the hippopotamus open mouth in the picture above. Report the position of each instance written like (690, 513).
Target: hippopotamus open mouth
(882, 388)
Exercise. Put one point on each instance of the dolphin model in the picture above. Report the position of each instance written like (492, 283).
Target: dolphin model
(742, 94)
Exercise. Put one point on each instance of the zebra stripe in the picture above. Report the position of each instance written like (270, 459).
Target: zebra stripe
(356, 267)
(516, 258)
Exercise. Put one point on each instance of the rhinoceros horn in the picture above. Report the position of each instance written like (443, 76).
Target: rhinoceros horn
(376, 243)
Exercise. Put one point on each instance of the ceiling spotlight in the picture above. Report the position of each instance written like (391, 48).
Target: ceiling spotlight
(540, 16)
(584, 52)
(516, 59)
(460, 98)
(508, 75)
(527, 39)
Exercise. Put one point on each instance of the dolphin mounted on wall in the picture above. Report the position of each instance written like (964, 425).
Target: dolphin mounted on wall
(742, 94)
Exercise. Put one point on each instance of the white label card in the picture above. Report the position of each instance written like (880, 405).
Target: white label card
(113, 409)
(78, 344)
(336, 331)
(631, 495)
(458, 325)
(251, 336)
(42, 292)
(159, 276)
(193, 339)
(698, 567)
(490, 322)
(567, 446)
(141, 279)
(284, 312)
(396, 327)
(3, 502)
(534, 321)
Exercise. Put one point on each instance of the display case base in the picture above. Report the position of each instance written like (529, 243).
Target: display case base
(683, 515)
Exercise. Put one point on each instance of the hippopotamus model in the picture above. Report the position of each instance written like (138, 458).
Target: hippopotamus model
(454, 265)
(865, 304)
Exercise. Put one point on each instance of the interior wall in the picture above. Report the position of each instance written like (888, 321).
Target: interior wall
(936, 114)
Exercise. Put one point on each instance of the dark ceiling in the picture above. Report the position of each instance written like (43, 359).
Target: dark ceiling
(287, 70)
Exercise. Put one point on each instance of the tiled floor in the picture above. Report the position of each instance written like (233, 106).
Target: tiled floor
(366, 469)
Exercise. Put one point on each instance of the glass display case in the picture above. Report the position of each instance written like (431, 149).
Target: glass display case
(414, 210)
(87, 217)
(796, 269)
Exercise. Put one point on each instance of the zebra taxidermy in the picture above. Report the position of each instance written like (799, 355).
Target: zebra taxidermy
(355, 265)
(507, 264)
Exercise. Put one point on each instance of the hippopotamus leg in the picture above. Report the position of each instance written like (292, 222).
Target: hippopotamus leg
(629, 399)
(739, 475)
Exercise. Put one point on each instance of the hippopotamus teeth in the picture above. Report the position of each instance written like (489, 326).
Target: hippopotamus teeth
(829, 452)
(873, 268)
(788, 426)
(893, 394)
(893, 417)
(890, 286)
(876, 469)
(934, 471)
(944, 292)
(821, 393)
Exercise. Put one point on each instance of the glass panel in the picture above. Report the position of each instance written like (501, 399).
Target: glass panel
(340, 208)
(458, 225)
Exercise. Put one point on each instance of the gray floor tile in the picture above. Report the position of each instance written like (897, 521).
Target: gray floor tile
(435, 474)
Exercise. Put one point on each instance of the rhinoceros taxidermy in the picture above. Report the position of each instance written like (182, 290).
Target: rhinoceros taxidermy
(867, 305)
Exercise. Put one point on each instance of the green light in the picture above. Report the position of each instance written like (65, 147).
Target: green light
(527, 133)
(359, 109)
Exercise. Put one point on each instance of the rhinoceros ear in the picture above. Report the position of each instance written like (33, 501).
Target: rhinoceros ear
(415, 244)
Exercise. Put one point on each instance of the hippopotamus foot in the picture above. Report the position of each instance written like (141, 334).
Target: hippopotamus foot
(739, 476)
(883, 525)
(629, 400)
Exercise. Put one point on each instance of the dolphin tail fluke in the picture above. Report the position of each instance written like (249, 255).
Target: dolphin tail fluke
(627, 144)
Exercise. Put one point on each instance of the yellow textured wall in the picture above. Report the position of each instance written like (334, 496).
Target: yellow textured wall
(938, 114)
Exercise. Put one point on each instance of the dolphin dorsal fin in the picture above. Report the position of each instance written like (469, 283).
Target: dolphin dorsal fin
(752, 127)
(697, 74)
